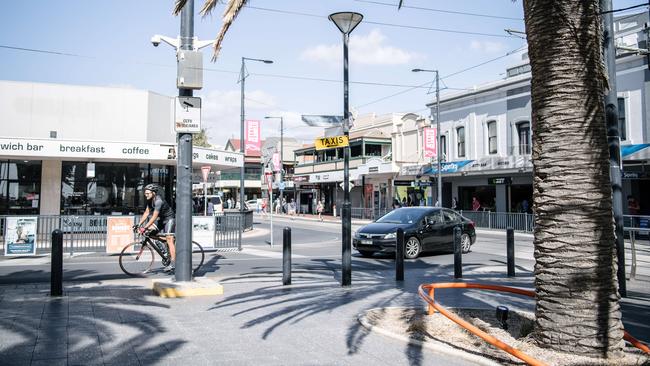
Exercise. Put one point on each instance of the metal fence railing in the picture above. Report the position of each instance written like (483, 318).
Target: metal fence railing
(369, 213)
(88, 233)
(501, 220)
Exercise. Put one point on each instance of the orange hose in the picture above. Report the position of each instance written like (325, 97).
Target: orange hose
(433, 306)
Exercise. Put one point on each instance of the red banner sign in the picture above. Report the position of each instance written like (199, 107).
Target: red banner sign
(429, 142)
(253, 142)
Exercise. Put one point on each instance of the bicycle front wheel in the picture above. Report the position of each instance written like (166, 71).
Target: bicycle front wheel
(198, 256)
(136, 259)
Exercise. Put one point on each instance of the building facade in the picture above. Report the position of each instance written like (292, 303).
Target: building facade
(486, 133)
(84, 150)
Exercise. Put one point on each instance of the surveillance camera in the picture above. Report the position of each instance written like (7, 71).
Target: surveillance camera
(155, 40)
(418, 176)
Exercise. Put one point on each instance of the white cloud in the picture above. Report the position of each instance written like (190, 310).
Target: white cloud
(364, 49)
(487, 46)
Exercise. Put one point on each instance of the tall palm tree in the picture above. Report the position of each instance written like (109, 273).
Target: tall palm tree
(577, 308)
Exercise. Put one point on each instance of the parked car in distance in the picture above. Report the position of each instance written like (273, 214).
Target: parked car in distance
(425, 229)
(254, 204)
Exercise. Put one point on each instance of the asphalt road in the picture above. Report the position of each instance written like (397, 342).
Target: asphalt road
(313, 243)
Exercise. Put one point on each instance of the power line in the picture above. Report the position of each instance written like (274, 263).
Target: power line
(442, 77)
(441, 11)
(387, 24)
(623, 9)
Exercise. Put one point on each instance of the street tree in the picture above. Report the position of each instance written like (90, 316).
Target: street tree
(577, 305)
(577, 302)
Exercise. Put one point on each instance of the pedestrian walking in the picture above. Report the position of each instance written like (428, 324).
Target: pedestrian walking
(319, 210)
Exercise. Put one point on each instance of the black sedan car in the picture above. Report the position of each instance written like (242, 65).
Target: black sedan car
(425, 229)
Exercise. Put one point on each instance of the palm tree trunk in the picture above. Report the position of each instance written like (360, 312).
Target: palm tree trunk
(577, 308)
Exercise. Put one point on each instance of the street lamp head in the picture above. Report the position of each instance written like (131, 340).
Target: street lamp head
(417, 70)
(267, 61)
(346, 21)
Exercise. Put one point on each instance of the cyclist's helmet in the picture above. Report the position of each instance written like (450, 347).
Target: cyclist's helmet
(153, 187)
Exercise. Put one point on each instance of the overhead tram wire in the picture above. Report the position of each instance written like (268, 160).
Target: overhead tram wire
(624, 9)
(443, 77)
(387, 24)
(410, 87)
(441, 10)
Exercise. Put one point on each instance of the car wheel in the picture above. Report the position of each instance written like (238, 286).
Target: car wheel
(365, 253)
(465, 242)
(412, 248)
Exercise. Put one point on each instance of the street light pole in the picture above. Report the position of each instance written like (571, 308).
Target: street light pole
(242, 144)
(438, 151)
(346, 22)
(183, 263)
(281, 152)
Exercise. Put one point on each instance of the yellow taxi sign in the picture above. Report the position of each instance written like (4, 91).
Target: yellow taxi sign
(331, 142)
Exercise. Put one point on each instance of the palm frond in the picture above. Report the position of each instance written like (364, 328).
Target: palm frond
(179, 6)
(232, 10)
(208, 6)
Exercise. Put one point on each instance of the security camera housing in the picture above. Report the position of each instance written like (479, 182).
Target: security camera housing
(155, 41)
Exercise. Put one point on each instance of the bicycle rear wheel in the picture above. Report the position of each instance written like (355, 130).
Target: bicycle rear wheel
(198, 256)
(136, 259)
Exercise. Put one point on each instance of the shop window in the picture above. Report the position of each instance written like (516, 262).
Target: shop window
(622, 132)
(443, 147)
(460, 134)
(355, 151)
(373, 150)
(523, 131)
(492, 137)
(20, 187)
(114, 188)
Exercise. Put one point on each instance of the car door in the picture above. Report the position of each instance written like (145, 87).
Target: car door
(451, 220)
(432, 231)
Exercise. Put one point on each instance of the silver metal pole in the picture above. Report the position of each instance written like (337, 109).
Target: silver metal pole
(438, 151)
(346, 220)
(184, 168)
(241, 142)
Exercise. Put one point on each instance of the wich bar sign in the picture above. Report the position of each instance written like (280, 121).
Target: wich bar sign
(85, 149)
(111, 150)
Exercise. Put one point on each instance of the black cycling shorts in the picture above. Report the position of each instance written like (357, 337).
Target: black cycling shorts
(168, 226)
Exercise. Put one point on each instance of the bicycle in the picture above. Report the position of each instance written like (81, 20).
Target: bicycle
(137, 258)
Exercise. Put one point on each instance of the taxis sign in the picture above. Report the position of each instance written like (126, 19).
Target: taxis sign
(331, 142)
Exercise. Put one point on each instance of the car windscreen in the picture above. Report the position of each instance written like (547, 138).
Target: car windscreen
(401, 217)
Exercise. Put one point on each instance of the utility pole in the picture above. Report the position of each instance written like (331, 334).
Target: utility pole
(183, 270)
(613, 138)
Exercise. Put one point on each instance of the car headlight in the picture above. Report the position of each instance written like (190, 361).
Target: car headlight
(390, 236)
(355, 234)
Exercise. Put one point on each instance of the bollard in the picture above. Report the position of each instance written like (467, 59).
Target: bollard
(399, 256)
(56, 274)
(286, 256)
(458, 254)
(510, 251)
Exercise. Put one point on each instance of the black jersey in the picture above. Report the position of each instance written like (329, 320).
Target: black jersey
(164, 210)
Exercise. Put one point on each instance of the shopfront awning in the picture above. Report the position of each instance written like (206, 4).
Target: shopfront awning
(635, 152)
(447, 167)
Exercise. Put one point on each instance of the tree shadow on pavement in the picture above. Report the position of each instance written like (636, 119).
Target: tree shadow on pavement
(89, 325)
(315, 295)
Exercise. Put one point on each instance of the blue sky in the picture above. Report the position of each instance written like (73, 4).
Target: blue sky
(111, 41)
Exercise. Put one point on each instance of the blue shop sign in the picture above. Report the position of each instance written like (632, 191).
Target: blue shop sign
(448, 167)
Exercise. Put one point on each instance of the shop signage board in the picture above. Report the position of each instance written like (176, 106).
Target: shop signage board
(121, 151)
(331, 142)
(300, 178)
(118, 233)
(187, 115)
(20, 235)
(402, 183)
(500, 180)
(203, 230)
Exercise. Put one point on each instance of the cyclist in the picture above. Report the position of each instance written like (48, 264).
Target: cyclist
(158, 216)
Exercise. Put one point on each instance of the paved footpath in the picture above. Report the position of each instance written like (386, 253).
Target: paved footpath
(257, 321)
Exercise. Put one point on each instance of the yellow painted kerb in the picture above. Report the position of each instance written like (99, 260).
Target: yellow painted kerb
(167, 288)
